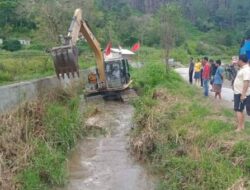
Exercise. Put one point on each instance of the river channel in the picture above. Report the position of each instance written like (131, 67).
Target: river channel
(104, 162)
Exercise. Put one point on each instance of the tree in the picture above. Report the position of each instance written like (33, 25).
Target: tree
(7, 16)
(170, 19)
(52, 18)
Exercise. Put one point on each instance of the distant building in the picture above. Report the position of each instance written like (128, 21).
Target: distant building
(24, 42)
(1, 41)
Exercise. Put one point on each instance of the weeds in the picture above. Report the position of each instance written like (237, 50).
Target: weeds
(47, 168)
(43, 131)
(188, 142)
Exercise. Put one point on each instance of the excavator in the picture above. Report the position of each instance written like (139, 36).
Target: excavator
(111, 75)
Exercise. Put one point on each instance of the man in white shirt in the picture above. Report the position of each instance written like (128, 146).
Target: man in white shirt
(241, 91)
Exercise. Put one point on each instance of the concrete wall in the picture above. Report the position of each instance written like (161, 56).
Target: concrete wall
(14, 95)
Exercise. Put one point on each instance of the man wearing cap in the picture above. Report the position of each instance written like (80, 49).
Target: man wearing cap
(241, 91)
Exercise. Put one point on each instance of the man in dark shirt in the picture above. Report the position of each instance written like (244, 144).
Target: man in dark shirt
(212, 72)
(191, 70)
(213, 67)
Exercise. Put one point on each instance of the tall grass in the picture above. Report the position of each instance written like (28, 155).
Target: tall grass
(187, 141)
(36, 138)
(63, 126)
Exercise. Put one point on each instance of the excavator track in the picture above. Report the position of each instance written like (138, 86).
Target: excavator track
(124, 96)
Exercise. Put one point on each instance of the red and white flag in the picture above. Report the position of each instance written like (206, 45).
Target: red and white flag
(136, 47)
(108, 49)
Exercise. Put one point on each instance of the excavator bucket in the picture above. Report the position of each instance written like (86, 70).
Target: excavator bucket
(65, 61)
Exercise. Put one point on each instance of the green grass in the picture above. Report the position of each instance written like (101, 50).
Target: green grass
(47, 168)
(63, 126)
(187, 142)
(227, 112)
(186, 173)
(212, 44)
(32, 64)
(24, 65)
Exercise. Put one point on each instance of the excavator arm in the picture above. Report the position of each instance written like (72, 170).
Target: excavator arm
(65, 57)
(94, 44)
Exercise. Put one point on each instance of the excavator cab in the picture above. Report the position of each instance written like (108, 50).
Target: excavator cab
(117, 73)
(117, 77)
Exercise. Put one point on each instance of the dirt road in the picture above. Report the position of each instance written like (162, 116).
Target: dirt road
(226, 93)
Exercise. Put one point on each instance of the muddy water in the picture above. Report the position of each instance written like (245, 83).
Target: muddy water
(104, 163)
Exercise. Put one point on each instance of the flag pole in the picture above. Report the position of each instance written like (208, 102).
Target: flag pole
(138, 56)
(136, 48)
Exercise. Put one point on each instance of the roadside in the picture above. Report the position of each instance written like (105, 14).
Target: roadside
(226, 93)
(187, 141)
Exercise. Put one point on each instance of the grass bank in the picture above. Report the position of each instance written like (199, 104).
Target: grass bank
(33, 64)
(187, 141)
(24, 65)
(35, 141)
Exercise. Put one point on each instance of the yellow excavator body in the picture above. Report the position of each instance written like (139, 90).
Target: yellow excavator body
(112, 74)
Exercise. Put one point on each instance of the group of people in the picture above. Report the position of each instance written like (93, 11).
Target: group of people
(207, 71)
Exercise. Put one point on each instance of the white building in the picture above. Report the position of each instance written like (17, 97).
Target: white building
(24, 42)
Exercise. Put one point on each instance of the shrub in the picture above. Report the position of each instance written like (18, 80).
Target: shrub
(12, 45)
(180, 54)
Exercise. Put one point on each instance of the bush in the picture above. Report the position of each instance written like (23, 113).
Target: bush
(180, 54)
(12, 45)
(191, 47)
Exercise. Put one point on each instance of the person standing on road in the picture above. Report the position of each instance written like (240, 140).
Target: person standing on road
(197, 72)
(233, 70)
(191, 70)
(206, 76)
(241, 91)
(212, 73)
(202, 67)
(218, 79)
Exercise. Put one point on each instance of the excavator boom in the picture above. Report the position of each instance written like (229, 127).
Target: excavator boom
(94, 44)
(65, 57)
